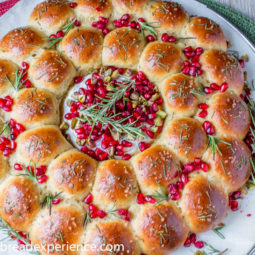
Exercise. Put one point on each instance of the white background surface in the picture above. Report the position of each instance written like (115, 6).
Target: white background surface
(240, 229)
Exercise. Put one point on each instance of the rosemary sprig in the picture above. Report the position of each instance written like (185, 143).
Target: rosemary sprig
(113, 210)
(17, 82)
(55, 41)
(213, 143)
(115, 95)
(217, 231)
(30, 174)
(200, 90)
(161, 196)
(92, 115)
(251, 107)
(48, 199)
(6, 128)
(149, 27)
(87, 219)
(5, 228)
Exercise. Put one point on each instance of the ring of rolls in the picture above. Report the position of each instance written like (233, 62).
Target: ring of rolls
(153, 229)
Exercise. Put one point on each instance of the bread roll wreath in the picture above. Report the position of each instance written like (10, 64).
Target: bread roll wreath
(123, 122)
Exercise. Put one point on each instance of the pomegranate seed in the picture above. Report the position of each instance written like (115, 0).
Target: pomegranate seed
(101, 214)
(43, 179)
(186, 70)
(28, 84)
(204, 167)
(126, 157)
(150, 38)
(77, 23)
(127, 217)
(193, 237)
(78, 79)
(94, 24)
(199, 72)
(187, 242)
(214, 86)
(7, 152)
(165, 37)
(93, 214)
(41, 170)
(56, 201)
(223, 87)
(192, 71)
(125, 17)
(150, 199)
(236, 195)
(188, 168)
(206, 125)
(60, 34)
(241, 62)
(199, 244)
(117, 23)
(53, 36)
(203, 106)
(199, 51)
(203, 114)
(172, 39)
(150, 134)
(101, 25)
(141, 76)
(208, 90)
(234, 205)
(122, 212)
(188, 49)
(141, 19)
(104, 20)
(143, 146)
(140, 198)
(25, 65)
(18, 167)
(195, 59)
(184, 178)
(92, 207)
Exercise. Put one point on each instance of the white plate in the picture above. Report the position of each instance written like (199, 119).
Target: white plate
(240, 229)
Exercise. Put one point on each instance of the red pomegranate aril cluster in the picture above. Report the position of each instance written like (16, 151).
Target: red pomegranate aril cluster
(203, 107)
(168, 38)
(23, 73)
(6, 103)
(132, 111)
(101, 24)
(124, 213)
(192, 67)
(198, 164)
(232, 200)
(8, 144)
(209, 128)
(93, 210)
(192, 239)
(39, 172)
(141, 199)
(215, 87)
(175, 189)
(21, 242)
(124, 21)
